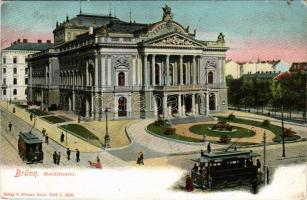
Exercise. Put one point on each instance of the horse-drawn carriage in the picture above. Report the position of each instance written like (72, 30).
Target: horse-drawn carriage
(30, 148)
(224, 169)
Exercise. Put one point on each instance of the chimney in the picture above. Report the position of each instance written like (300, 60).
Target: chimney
(48, 41)
(39, 41)
(24, 41)
(18, 41)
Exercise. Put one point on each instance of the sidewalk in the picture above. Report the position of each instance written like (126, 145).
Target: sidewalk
(52, 130)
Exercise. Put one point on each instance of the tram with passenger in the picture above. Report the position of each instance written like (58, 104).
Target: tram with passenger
(30, 148)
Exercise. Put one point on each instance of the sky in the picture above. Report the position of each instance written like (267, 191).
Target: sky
(268, 30)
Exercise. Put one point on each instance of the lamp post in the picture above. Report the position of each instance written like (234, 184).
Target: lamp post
(106, 137)
(283, 131)
(264, 158)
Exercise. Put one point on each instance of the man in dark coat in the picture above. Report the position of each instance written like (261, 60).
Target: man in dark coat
(62, 137)
(55, 155)
(77, 155)
(58, 158)
(31, 116)
(142, 158)
(68, 154)
(209, 147)
(10, 126)
(46, 139)
(44, 132)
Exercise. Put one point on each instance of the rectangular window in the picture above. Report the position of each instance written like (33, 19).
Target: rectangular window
(4, 81)
(26, 70)
(15, 81)
(4, 70)
(4, 60)
(15, 60)
(26, 81)
(15, 70)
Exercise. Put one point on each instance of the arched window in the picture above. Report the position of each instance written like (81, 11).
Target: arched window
(14, 92)
(210, 77)
(121, 79)
(212, 101)
(122, 107)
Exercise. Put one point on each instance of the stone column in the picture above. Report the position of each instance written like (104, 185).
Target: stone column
(175, 81)
(181, 69)
(86, 74)
(165, 111)
(87, 109)
(109, 70)
(193, 104)
(179, 105)
(194, 70)
(153, 63)
(92, 106)
(146, 78)
(139, 71)
(134, 71)
(207, 103)
(167, 69)
(161, 75)
(73, 101)
(183, 105)
(103, 70)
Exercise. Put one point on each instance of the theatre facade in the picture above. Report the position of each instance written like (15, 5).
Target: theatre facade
(136, 70)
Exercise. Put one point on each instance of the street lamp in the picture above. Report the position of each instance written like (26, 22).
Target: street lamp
(107, 137)
(264, 158)
(283, 131)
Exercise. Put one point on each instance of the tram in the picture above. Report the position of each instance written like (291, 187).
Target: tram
(224, 169)
(30, 148)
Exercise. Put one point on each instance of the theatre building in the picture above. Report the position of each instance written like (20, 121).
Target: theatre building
(136, 70)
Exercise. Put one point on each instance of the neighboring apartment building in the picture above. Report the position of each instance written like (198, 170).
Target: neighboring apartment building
(238, 69)
(137, 70)
(14, 69)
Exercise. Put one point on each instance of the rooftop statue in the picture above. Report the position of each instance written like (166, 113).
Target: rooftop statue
(167, 13)
(221, 38)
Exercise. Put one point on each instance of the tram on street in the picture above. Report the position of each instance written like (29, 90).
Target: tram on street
(30, 148)
(224, 169)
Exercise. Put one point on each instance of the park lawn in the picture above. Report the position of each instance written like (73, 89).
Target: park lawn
(159, 130)
(54, 119)
(277, 130)
(203, 129)
(37, 112)
(79, 130)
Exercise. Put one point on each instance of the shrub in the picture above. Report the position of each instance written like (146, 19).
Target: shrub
(266, 123)
(170, 131)
(159, 122)
(289, 132)
(231, 117)
(224, 139)
(222, 125)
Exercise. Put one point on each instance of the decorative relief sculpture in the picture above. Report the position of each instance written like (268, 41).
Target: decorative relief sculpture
(175, 40)
(210, 63)
(121, 61)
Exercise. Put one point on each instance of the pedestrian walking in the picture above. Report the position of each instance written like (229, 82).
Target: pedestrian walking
(31, 116)
(47, 139)
(68, 153)
(267, 176)
(209, 147)
(258, 164)
(44, 132)
(138, 159)
(77, 155)
(141, 158)
(255, 185)
(55, 155)
(10, 126)
(58, 158)
(62, 137)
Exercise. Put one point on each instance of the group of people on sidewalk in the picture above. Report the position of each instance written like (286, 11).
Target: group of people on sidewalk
(57, 156)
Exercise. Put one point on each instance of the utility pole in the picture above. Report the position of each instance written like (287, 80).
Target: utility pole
(264, 158)
(283, 131)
